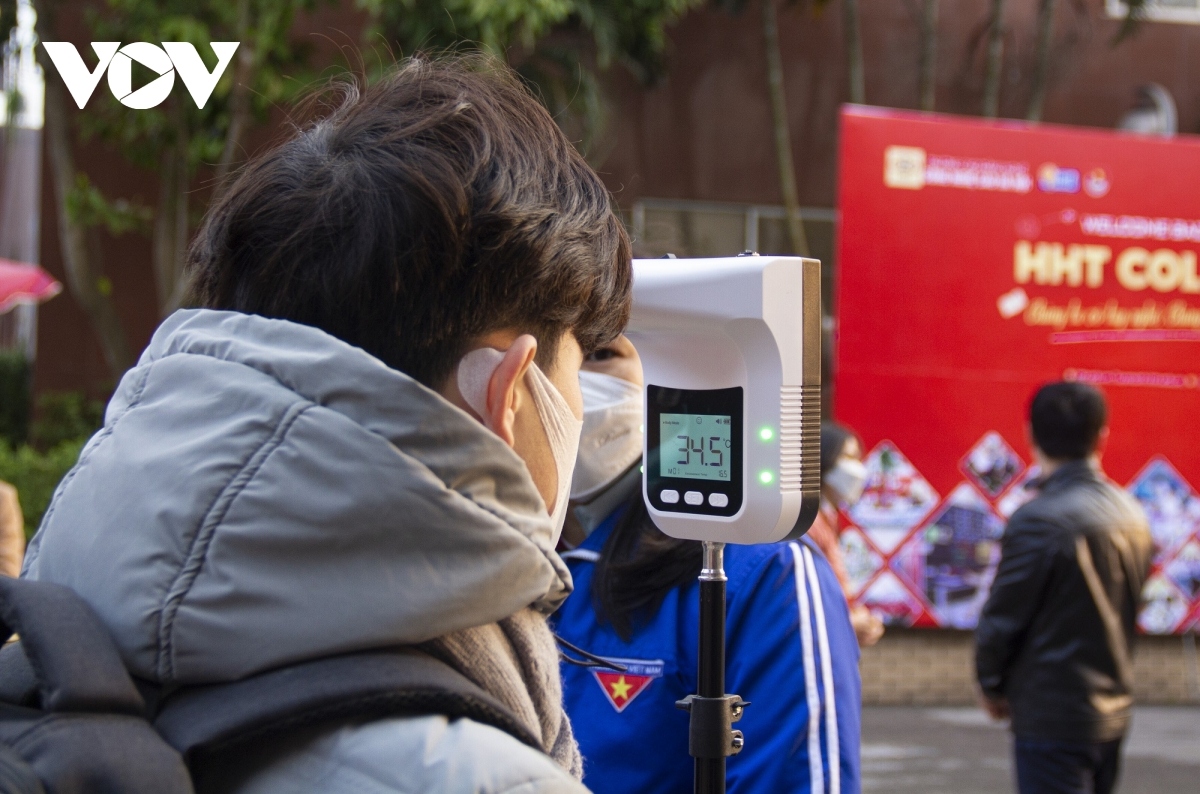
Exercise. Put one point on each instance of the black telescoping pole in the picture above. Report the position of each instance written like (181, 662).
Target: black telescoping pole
(710, 772)
(711, 737)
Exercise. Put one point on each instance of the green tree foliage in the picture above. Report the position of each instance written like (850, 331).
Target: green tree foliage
(65, 417)
(89, 207)
(65, 421)
(179, 142)
(264, 29)
(8, 18)
(35, 475)
(14, 397)
(558, 46)
(186, 148)
(630, 31)
(176, 139)
(441, 24)
(1136, 10)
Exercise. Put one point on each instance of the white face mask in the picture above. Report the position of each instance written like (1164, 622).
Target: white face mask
(846, 479)
(558, 420)
(612, 432)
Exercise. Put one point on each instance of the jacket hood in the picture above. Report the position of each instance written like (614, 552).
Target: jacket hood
(263, 493)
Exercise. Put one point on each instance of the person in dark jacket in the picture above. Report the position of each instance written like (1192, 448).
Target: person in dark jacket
(1053, 650)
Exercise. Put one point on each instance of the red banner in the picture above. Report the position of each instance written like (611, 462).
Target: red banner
(977, 261)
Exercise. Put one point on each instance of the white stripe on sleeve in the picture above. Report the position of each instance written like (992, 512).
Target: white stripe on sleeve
(831, 724)
(816, 768)
(586, 555)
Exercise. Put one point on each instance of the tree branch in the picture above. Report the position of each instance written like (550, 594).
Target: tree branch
(854, 53)
(995, 61)
(239, 97)
(171, 217)
(83, 277)
(783, 138)
(1041, 72)
(928, 66)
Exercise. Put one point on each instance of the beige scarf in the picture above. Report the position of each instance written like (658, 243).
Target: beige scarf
(516, 661)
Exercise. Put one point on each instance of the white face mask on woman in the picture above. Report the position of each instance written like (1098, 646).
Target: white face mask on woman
(558, 420)
(847, 479)
(611, 440)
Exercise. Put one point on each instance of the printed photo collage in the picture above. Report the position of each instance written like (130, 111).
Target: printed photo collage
(917, 559)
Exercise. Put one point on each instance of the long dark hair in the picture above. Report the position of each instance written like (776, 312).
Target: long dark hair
(638, 566)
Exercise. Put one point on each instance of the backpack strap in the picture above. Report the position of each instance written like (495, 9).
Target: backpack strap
(73, 658)
(206, 723)
(71, 718)
(18, 681)
(66, 656)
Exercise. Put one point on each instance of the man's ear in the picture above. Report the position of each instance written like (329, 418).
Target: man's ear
(503, 396)
(1035, 450)
(1101, 443)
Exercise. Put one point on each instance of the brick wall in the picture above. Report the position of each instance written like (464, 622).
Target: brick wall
(936, 668)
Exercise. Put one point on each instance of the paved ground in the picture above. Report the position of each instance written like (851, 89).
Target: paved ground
(959, 751)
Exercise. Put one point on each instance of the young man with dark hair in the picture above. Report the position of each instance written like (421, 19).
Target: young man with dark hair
(1055, 640)
(364, 438)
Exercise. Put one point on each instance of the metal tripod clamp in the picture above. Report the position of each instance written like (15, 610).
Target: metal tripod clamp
(711, 733)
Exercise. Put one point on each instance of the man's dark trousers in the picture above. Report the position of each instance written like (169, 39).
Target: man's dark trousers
(1048, 766)
(1055, 638)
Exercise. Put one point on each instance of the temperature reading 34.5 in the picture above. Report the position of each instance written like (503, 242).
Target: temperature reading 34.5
(694, 446)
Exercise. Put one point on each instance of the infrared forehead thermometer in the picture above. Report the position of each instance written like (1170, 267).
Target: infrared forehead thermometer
(731, 351)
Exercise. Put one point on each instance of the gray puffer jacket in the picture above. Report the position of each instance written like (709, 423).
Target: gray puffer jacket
(262, 494)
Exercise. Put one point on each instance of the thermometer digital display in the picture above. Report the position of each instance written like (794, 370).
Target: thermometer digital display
(695, 446)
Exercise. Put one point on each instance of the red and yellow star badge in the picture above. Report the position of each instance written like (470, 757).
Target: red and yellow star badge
(622, 688)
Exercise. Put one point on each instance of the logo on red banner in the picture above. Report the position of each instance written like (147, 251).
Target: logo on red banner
(622, 688)
(1052, 179)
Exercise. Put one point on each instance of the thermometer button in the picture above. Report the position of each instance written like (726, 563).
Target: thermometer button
(718, 500)
(669, 496)
(694, 498)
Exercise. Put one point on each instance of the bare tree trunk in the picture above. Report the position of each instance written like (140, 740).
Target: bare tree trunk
(854, 53)
(83, 276)
(164, 226)
(170, 230)
(1041, 72)
(928, 85)
(783, 137)
(995, 61)
(171, 217)
(239, 97)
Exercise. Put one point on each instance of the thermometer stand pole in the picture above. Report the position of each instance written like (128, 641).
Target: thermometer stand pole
(711, 738)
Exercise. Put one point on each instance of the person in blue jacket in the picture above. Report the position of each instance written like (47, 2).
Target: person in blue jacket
(790, 647)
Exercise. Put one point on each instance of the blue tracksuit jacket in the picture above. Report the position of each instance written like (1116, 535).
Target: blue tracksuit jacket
(790, 651)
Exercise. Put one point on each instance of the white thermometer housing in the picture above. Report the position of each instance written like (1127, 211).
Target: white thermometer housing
(731, 350)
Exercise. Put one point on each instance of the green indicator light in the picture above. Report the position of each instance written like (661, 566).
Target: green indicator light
(766, 434)
(766, 477)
